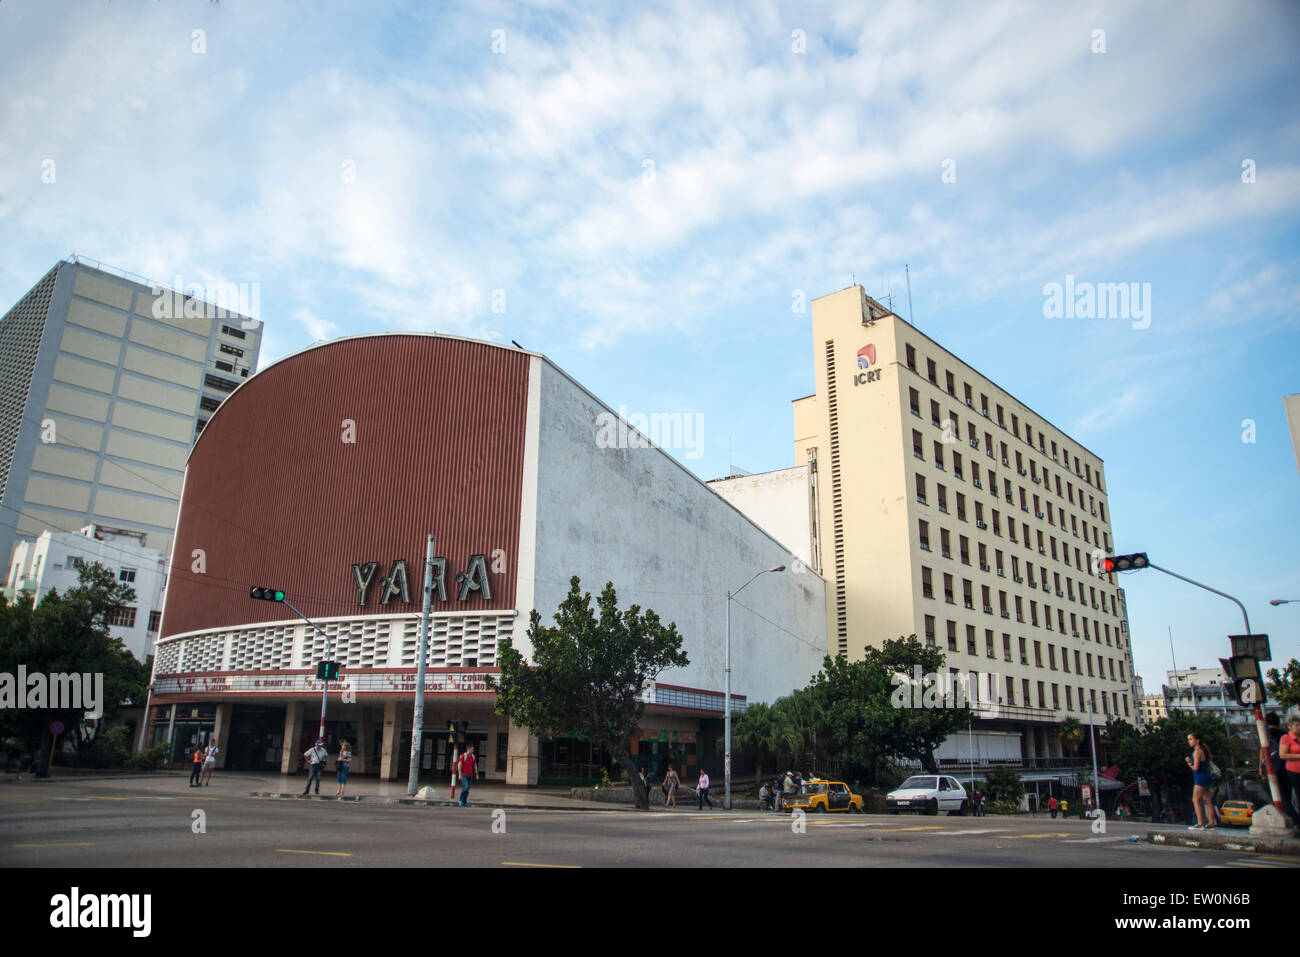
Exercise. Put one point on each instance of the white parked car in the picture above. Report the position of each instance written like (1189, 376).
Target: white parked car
(928, 794)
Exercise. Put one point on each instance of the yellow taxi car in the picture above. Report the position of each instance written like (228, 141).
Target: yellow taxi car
(818, 796)
(1236, 812)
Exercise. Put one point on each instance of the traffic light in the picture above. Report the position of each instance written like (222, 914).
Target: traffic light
(327, 670)
(1126, 563)
(266, 594)
(1243, 674)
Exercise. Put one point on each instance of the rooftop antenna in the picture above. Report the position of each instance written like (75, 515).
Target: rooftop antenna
(908, 272)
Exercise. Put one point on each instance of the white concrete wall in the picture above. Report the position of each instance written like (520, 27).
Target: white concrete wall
(635, 517)
(778, 501)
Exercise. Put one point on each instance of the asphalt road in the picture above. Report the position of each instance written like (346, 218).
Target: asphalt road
(129, 823)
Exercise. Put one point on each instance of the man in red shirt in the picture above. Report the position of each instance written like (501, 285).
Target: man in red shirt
(1052, 805)
(467, 766)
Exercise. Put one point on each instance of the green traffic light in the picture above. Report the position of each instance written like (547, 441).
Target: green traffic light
(279, 596)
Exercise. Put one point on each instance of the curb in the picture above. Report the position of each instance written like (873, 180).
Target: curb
(1227, 842)
(437, 802)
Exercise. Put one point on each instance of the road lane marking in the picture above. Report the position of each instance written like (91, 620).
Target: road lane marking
(1096, 840)
(282, 850)
(923, 827)
(572, 867)
(1250, 864)
(982, 830)
(1289, 861)
(64, 844)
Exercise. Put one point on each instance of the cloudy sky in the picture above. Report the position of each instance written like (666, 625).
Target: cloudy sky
(643, 194)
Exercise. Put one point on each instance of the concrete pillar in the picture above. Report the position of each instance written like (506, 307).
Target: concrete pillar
(221, 731)
(289, 752)
(361, 747)
(521, 757)
(389, 761)
(1031, 746)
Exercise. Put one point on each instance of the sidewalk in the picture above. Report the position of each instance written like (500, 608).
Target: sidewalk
(1225, 839)
(375, 791)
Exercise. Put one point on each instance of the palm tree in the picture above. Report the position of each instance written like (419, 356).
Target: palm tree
(1071, 734)
(752, 733)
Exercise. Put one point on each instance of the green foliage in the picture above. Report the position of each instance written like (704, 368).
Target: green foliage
(110, 749)
(150, 760)
(1004, 786)
(1002, 807)
(1071, 734)
(1284, 686)
(1159, 751)
(65, 634)
(1118, 730)
(858, 704)
(587, 673)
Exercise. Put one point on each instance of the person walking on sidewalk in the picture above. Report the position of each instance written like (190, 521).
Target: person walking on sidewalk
(1052, 806)
(198, 766)
(315, 756)
(343, 764)
(467, 765)
(702, 791)
(671, 781)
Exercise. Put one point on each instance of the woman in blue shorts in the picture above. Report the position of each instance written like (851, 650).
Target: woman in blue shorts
(1203, 786)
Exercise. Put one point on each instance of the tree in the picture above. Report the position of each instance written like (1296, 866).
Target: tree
(1004, 785)
(68, 634)
(1284, 686)
(855, 700)
(916, 732)
(1071, 734)
(587, 673)
(1159, 752)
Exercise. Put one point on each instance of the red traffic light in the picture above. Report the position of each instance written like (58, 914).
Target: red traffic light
(1125, 563)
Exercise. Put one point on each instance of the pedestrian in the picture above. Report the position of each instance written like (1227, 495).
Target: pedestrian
(765, 796)
(702, 791)
(1052, 806)
(671, 781)
(1270, 758)
(315, 757)
(197, 770)
(1065, 808)
(1288, 751)
(1201, 762)
(645, 785)
(210, 760)
(468, 765)
(788, 788)
(343, 764)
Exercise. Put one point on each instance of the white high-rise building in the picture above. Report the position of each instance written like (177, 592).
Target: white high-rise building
(105, 379)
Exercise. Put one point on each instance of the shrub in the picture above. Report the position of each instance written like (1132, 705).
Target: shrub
(110, 749)
(149, 760)
(1003, 807)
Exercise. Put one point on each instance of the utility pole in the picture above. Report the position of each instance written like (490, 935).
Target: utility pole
(417, 722)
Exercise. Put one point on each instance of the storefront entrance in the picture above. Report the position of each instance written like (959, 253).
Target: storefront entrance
(256, 738)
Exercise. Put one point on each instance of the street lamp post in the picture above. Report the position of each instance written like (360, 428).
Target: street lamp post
(726, 767)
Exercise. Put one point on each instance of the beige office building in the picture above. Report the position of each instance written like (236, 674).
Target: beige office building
(105, 379)
(944, 507)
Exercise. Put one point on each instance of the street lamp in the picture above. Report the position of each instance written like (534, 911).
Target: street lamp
(727, 759)
(1282, 601)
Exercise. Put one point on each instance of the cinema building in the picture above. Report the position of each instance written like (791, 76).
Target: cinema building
(323, 474)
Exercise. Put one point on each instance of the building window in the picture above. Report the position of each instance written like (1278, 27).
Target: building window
(155, 619)
(952, 636)
(126, 575)
(918, 449)
(929, 631)
(920, 489)
(931, 371)
(914, 402)
(232, 331)
(231, 350)
(122, 618)
(923, 530)
(927, 587)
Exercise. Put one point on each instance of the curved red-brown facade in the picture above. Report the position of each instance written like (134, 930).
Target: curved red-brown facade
(347, 453)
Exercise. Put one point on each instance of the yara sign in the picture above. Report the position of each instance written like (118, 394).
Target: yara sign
(473, 579)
